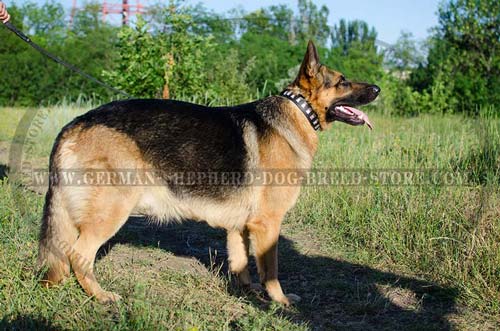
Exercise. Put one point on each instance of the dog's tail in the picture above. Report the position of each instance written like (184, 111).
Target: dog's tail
(58, 232)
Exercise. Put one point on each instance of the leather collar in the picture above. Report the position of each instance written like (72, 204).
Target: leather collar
(304, 106)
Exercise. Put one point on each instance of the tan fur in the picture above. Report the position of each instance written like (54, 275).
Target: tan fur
(238, 245)
(82, 218)
(96, 213)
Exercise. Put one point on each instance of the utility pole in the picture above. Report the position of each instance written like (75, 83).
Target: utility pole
(125, 12)
(72, 15)
(124, 8)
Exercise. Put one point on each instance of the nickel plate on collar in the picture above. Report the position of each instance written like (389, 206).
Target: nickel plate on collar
(304, 106)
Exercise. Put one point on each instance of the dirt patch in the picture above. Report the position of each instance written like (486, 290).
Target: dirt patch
(163, 247)
(336, 294)
(150, 262)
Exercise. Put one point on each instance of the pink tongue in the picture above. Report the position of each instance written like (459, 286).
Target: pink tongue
(361, 115)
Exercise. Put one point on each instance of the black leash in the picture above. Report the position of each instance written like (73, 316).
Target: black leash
(56, 59)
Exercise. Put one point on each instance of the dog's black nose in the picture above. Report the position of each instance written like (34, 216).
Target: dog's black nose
(376, 89)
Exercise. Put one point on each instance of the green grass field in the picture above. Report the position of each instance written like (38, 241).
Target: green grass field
(362, 257)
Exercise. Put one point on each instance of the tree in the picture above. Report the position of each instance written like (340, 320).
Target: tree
(141, 66)
(465, 52)
(353, 51)
(404, 55)
(31, 78)
(275, 39)
(346, 34)
(179, 59)
(312, 22)
(184, 52)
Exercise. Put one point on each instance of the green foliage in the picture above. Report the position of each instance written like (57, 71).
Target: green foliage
(312, 22)
(141, 69)
(360, 62)
(227, 79)
(348, 34)
(185, 52)
(465, 52)
(353, 52)
(397, 98)
(189, 52)
(401, 99)
(182, 51)
(45, 21)
(274, 39)
(462, 69)
(30, 78)
(181, 60)
(405, 54)
(273, 57)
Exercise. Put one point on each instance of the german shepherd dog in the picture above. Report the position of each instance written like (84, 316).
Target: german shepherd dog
(277, 132)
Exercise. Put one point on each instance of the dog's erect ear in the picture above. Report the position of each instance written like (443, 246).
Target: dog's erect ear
(310, 64)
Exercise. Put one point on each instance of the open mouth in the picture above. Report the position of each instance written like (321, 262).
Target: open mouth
(351, 115)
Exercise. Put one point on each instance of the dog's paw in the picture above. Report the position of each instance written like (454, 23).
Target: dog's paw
(106, 297)
(283, 299)
(288, 300)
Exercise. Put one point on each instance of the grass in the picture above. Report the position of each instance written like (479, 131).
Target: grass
(377, 256)
(449, 234)
(184, 300)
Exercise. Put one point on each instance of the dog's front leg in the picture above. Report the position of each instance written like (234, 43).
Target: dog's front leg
(237, 247)
(264, 235)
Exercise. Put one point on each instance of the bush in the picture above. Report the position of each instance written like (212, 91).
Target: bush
(141, 64)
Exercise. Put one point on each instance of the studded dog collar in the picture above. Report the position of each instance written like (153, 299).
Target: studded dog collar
(304, 106)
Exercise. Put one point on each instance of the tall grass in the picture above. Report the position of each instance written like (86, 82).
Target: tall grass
(153, 298)
(449, 234)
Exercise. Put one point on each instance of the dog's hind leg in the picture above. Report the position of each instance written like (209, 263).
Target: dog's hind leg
(105, 215)
(238, 246)
(57, 235)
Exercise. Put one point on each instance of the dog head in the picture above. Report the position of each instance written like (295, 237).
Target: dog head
(330, 94)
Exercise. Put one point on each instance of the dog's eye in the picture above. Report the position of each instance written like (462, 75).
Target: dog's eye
(343, 82)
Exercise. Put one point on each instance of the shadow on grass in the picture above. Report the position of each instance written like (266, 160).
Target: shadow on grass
(335, 294)
(26, 322)
(4, 171)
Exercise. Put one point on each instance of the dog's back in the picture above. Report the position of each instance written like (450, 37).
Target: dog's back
(168, 138)
(113, 148)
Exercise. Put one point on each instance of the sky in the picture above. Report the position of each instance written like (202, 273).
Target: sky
(389, 17)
